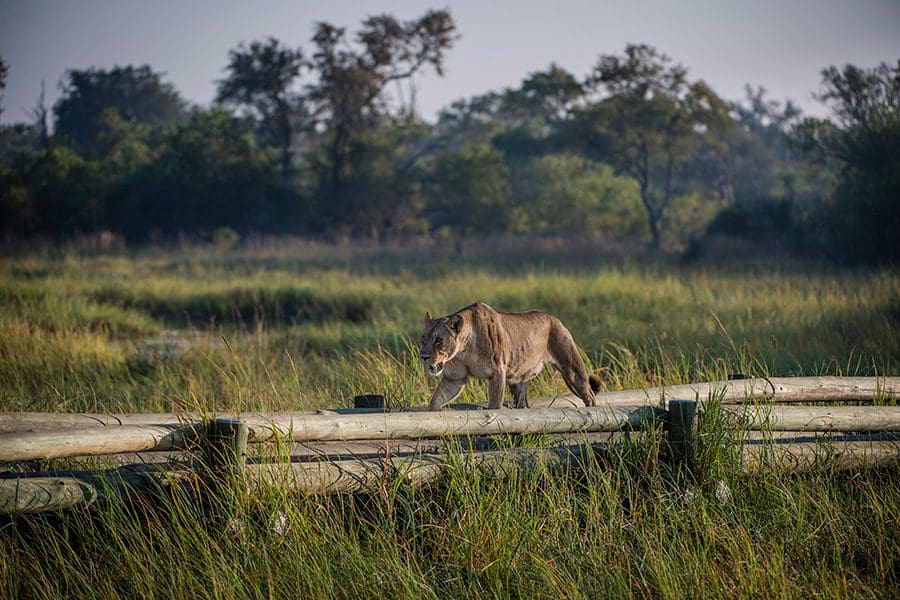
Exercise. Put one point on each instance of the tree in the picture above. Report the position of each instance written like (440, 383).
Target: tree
(4, 73)
(348, 95)
(864, 147)
(471, 191)
(263, 78)
(472, 121)
(382, 194)
(137, 93)
(533, 114)
(60, 192)
(565, 193)
(773, 190)
(40, 117)
(648, 121)
(550, 94)
(210, 173)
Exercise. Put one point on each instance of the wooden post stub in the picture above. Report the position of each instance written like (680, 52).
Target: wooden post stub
(226, 444)
(682, 430)
(368, 401)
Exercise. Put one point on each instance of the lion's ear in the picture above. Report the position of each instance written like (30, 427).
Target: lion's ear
(455, 323)
(427, 318)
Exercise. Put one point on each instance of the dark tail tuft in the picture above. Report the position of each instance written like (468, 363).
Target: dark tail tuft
(595, 382)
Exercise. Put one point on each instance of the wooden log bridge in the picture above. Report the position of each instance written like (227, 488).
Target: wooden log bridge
(297, 427)
(771, 390)
(221, 441)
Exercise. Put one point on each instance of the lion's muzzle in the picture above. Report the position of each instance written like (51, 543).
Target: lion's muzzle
(434, 368)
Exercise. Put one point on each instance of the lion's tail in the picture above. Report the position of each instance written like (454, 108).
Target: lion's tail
(595, 383)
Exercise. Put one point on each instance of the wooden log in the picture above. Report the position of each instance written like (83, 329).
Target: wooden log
(310, 451)
(682, 430)
(771, 389)
(50, 492)
(355, 450)
(38, 421)
(225, 445)
(93, 441)
(840, 456)
(464, 423)
(796, 437)
(818, 418)
(38, 494)
(322, 427)
(55, 492)
(370, 474)
(11, 422)
(351, 450)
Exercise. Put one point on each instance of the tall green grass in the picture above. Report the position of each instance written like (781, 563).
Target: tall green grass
(303, 326)
(625, 526)
(250, 330)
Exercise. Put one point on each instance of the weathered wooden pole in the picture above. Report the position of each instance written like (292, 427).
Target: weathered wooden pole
(460, 423)
(86, 441)
(93, 441)
(225, 445)
(369, 474)
(840, 456)
(39, 494)
(682, 431)
(770, 389)
(817, 418)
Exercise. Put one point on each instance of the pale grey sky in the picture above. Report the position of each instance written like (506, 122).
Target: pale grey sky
(780, 44)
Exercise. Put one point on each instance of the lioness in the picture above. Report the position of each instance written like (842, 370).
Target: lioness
(506, 348)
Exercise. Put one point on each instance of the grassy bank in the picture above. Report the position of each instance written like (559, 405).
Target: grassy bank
(303, 325)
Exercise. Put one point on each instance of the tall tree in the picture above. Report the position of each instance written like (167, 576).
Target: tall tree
(569, 194)
(863, 143)
(471, 191)
(769, 189)
(263, 77)
(4, 73)
(137, 93)
(349, 91)
(534, 113)
(209, 173)
(648, 121)
(40, 116)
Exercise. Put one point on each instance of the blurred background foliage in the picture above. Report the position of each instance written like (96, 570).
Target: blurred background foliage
(324, 141)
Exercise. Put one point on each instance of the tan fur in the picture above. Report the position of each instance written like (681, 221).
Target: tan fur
(504, 348)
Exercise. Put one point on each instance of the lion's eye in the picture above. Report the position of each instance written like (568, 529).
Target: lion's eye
(437, 342)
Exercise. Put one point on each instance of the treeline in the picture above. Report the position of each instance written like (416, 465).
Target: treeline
(325, 140)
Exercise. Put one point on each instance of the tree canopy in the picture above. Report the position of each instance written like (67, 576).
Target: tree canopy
(863, 144)
(137, 93)
(262, 77)
(325, 140)
(648, 121)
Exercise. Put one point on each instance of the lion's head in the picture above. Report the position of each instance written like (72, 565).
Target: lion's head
(440, 342)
